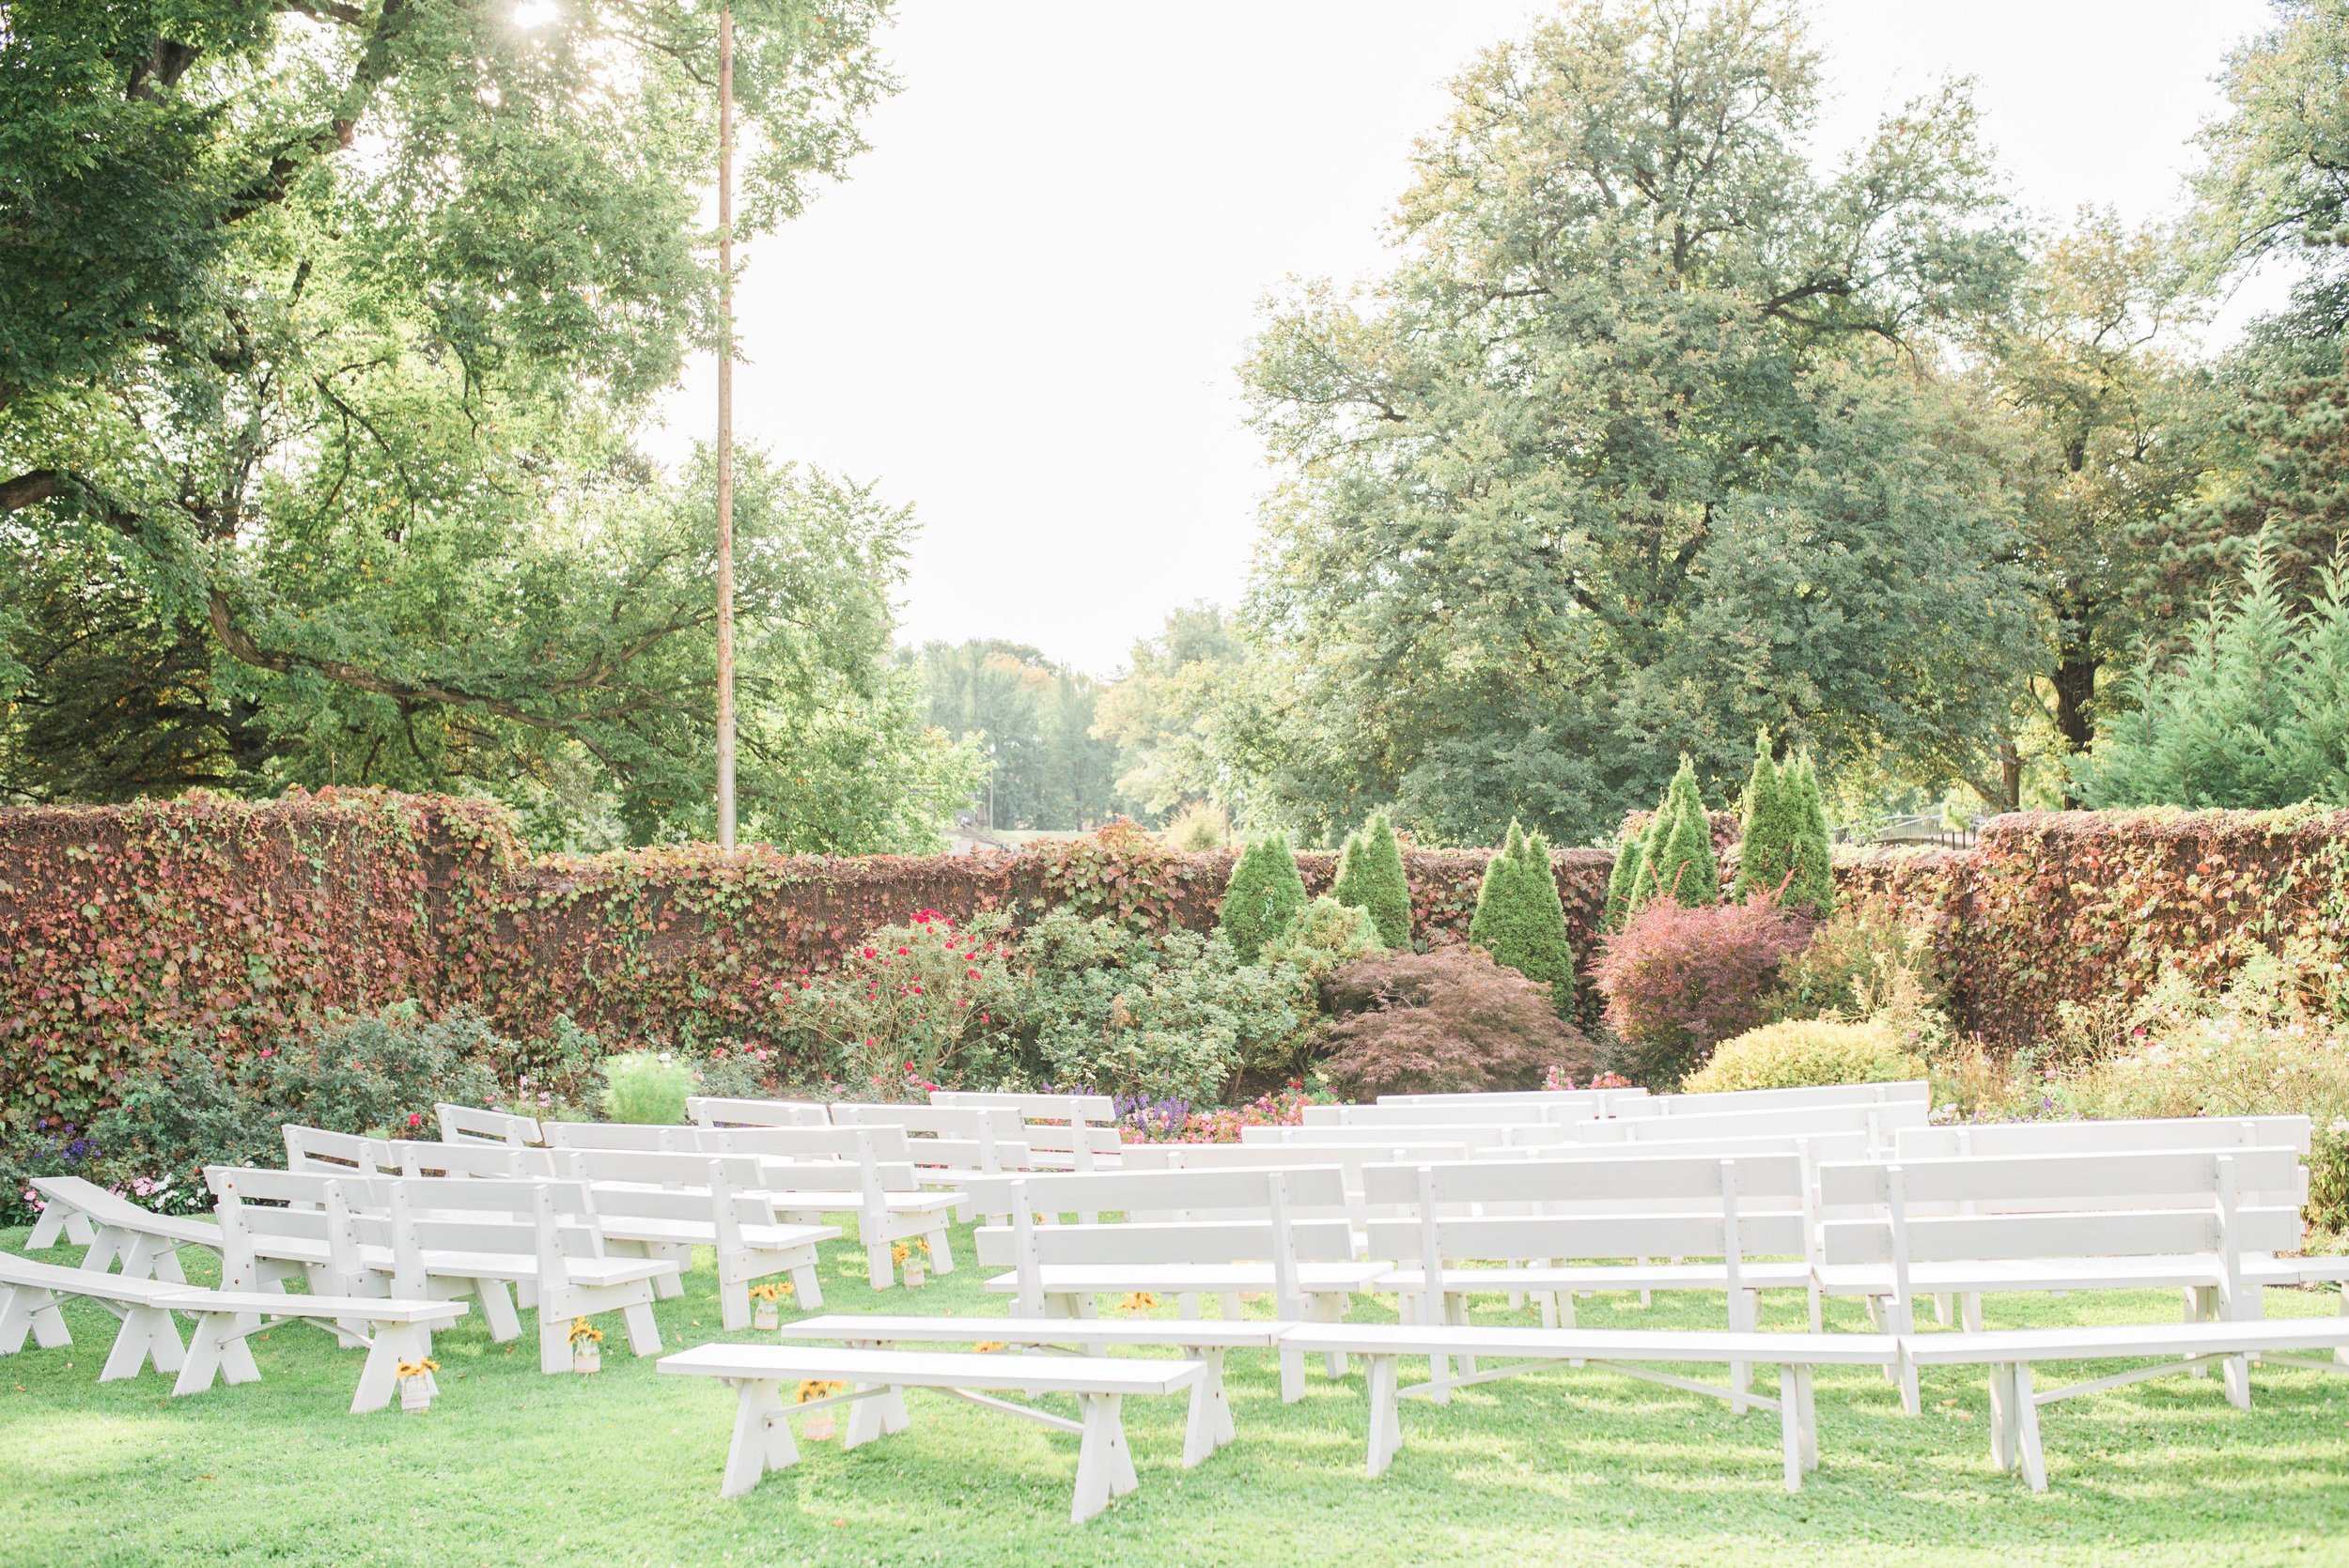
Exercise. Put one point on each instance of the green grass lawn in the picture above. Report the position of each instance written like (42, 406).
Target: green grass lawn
(513, 1467)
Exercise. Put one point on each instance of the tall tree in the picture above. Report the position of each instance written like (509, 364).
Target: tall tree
(327, 328)
(2113, 433)
(1034, 717)
(1637, 446)
(1163, 713)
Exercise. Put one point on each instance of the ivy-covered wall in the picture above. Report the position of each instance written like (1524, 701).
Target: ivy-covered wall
(230, 920)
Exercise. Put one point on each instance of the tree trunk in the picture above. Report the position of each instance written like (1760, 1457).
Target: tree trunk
(2074, 696)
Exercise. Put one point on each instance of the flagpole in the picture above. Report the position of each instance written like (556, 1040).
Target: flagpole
(725, 429)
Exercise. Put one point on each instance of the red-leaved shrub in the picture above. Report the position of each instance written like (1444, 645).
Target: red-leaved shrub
(1444, 1022)
(1679, 981)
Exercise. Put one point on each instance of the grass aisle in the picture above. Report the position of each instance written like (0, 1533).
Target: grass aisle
(514, 1466)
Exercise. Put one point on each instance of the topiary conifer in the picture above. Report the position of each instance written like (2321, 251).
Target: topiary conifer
(1767, 847)
(1371, 878)
(1619, 882)
(1262, 898)
(1810, 885)
(1520, 919)
(1687, 870)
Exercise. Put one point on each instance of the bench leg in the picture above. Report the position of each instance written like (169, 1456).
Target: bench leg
(497, 1310)
(762, 1438)
(1810, 1417)
(1385, 1418)
(1818, 1307)
(1105, 1469)
(1969, 1311)
(733, 1305)
(378, 1377)
(1744, 1306)
(807, 1287)
(1790, 1429)
(880, 1272)
(942, 1251)
(2341, 1353)
(147, 1334)
(1209, 1426)
(48, 1227)
(2001, 1416)
(555, 1345)
(2026, 1451)
(1944, 1308)
(1329, 1308)
(30, 1309)
(644, 1332)
(99, 1252)
(668, 1287)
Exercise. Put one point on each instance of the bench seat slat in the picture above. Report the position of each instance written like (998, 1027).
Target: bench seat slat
(933, 1368)
(1216, 1332)
(1595, 1344)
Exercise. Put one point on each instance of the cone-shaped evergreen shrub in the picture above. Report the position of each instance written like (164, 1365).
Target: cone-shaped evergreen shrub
(1370, 878)
(1767, 847)
(1520, 919)
(1686, 871)
(1262, 897)
(1620, 880)
(1810, 886)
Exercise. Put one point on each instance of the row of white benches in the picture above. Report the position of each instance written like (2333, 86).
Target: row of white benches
(877, 1374)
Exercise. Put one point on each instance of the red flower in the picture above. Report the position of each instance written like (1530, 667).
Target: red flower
(868, 952)
(416, 1119)
(972, 973)
(903, 951)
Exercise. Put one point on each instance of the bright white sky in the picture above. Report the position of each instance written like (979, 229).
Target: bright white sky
(1023, 312)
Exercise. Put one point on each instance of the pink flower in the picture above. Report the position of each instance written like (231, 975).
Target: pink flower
(416, 1118)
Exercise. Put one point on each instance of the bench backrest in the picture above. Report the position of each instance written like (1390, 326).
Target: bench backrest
(1537, 1112)
(1604, 1101)
(256, 1207)
(712, 1190)
(710, 1111)
(465, 1123)
(1473, 1135)
(2081, 1138)
(1253, 1220)
(336, 1153)
(2094, 1205)
(1879, 1123)
(1034, 1107)
(508, 1160)
(1732, 1102)
(963, 1137)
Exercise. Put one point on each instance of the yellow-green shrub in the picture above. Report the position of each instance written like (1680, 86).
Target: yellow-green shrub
(1800, 1053)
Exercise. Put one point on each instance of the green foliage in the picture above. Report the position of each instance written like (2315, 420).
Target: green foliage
(1175, 1015)
(1687, 870)
(1163, 715)
(1852, 958)
(2255, 713)
(1370, 878)
(380, 1073)
(1520, 921)
(926, 1001)
(1325, 936)
(2274, 1040)
(1447, 1020)
(1035, 720)
(1810, 859)
(1623, 880)
(336, 446)
(1199, 828)
(1620, 460)
(645, 1086)
(1770, 807)
(1262, 898)
(1797, 1053)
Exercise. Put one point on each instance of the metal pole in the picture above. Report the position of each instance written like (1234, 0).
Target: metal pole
(725, 429)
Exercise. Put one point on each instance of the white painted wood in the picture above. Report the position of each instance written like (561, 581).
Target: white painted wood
(461, 1123)
(711, 1111)
(1994, 1138)
(657, 1204)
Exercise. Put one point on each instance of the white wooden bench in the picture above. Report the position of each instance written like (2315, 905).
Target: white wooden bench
(1064, 1132)
(2185, 1220)
(1913, 1092)
(464, 1124)
(1188, 1233)
(949, 1142)
(717, 1111)
(1879, 1123)
(1604, 1100)
(1578, 1220)
(668, 1205)
(2130, 1135)
(465, 1233)
(30, 1292)
(762, 1436)
(807, 1172)
(1631, 1352)
(1210, 1421)
(225, 1319)
(1559, 1107)
(2010, 1354)
(146, 1245)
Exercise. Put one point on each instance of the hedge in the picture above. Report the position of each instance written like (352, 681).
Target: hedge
(230, 920)
(233, 921)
